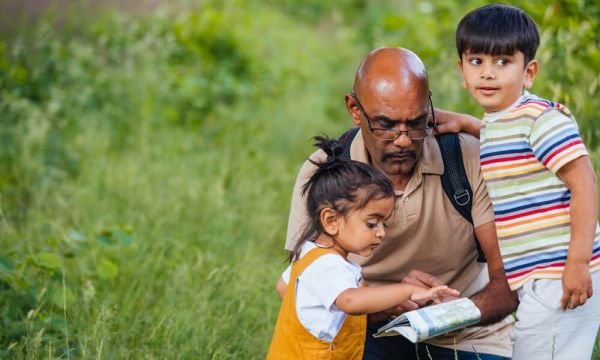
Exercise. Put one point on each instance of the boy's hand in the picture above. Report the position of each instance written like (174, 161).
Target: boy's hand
(577, 285)
(449, 122)
(436, 295)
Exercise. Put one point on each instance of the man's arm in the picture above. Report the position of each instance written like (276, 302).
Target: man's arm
(451, 122)
(496, 300)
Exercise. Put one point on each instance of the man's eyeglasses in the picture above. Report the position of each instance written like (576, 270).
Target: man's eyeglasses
(388, 134)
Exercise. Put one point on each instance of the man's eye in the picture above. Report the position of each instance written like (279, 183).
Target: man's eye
(475, 61)
(386, 124)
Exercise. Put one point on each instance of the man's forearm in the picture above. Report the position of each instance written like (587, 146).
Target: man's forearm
(496, 300)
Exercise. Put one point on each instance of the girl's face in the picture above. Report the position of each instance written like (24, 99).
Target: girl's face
(361, 231)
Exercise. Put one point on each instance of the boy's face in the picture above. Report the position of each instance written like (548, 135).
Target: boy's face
(496, 82)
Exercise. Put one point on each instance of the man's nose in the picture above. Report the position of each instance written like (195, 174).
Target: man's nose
(403, 140)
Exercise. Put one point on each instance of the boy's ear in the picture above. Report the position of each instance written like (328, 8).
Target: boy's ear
(460, 68)
(330, 221)
(530, 71)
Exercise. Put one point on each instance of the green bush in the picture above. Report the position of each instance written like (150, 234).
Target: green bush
(146, 160)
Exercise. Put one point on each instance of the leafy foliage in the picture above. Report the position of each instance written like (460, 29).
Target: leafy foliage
(146, 161)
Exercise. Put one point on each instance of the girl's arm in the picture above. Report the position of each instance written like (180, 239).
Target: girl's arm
(578, 175)
(280, 287)
(367, 300)
(451, 122)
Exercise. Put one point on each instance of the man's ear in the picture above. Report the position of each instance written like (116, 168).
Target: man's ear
(330, 221)
(530, 71)
(353, 109)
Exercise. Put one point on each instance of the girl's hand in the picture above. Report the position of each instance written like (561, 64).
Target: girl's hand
(435, 295)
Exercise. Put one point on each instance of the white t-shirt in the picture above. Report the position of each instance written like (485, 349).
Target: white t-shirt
(318, 287)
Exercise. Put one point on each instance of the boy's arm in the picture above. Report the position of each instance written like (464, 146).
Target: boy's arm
(451, 122)
(367, 300)
(578, 175)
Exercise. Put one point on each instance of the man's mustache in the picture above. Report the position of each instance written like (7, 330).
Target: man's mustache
(386, 156)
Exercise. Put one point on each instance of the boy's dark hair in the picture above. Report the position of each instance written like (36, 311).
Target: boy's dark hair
(497, 29)
(340, 184)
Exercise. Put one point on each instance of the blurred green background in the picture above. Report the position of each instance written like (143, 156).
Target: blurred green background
(148, 151)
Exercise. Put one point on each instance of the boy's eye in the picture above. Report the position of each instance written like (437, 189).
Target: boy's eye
(475, 61)
(502, 61)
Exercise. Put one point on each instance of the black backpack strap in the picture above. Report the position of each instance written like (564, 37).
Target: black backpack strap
(346, 141)
(455, 182)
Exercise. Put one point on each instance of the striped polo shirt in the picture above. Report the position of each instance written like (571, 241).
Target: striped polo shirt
(522, 148)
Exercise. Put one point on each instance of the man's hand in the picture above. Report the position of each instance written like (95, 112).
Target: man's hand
(422, 279)
(392, 312)
(577, 285)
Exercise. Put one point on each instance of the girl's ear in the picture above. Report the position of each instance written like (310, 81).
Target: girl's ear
(330, 221)
(530, 70)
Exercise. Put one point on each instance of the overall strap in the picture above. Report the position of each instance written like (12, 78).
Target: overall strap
(301, 264)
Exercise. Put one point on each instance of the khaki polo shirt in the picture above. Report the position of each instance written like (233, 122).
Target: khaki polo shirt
(428, 234)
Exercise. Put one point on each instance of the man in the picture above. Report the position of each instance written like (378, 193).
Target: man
(428, 242)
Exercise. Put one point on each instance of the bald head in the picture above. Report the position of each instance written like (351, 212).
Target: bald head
(390, 71)
(391, 84)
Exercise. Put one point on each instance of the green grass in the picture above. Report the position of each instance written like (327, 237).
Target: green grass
(146, 166)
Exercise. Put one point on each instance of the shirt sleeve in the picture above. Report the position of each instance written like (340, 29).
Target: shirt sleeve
(327, 277)
(286, 274)
(555, 139)
(298, 217)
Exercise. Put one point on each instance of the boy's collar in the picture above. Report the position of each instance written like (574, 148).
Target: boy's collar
(497, 114)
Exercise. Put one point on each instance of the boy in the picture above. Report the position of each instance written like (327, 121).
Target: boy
(541, 183)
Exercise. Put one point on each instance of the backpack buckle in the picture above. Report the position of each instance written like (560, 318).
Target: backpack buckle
(462, 199)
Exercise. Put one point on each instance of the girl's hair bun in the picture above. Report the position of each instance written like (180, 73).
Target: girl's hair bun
(332, 148)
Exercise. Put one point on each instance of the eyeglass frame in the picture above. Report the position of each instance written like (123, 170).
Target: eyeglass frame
(398, 132)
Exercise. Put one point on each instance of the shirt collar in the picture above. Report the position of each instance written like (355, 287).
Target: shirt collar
(493, 116)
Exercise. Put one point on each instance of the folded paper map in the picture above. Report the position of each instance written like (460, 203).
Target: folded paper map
(431, 321)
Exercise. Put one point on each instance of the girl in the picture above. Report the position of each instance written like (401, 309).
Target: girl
(323, 313)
